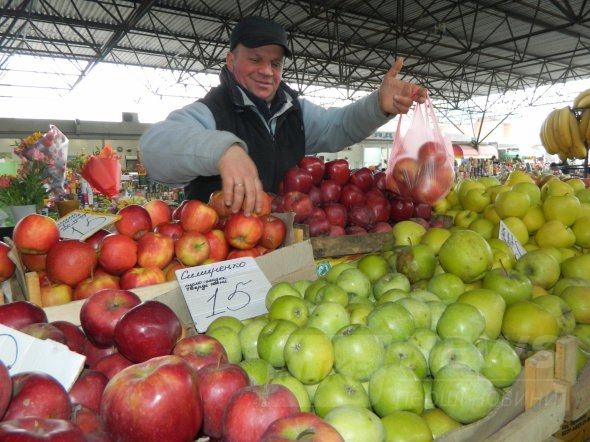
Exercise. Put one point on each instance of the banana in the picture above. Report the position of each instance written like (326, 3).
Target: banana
(564, 130)
(547, 137)
(584, 124)
(578, 147)
(582, 100)
(554, 130)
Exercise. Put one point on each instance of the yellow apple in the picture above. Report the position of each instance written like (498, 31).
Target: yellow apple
(484, 227)
(583, 195)
(568, 252)
(518, 176)
(490, 213)
(576, 183)
(517, 227)
(476, 200)
(495, 190)
(564, 208)
(555, 234)
(584, 209)
(466, 185)
(453, 198)
(533, 219)
(581, 229)
(555, 187)
(530, 246)
(435, 237)
(531, 189)
(441, 206)
(538, 292)
(527, 323)
(464, 217)
(503, 254)
(512, 203)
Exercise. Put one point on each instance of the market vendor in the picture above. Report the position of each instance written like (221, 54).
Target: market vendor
(245, 133)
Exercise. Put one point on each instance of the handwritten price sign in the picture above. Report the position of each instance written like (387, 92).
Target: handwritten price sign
(506, 235)
(81, 225)
(236, 287)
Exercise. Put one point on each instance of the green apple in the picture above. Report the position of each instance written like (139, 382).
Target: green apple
(405, 425)
(437, 308)
(490, 213)
(582, 332)
(556, 187)
(461, 320)
(280, 289)
(359, 311)
(564, 208)
(272, 340)
(464, 186)
(335, 271)
(356, 424)
(528, 324)
(407, 233)
(226, 321)
(518, 176)
(451, 350)
(583, 195)
(578, 299)
(585, 208)
(439, 422)
(554, 233)
(435, 237)
(416, 262)
(249, 337)
(423, 295)
(392, 296)
(329, 317)
(576, 267)
(561, 311)
(512, 203)
(374, 266)
(446, 286)
(311, 292)
(259, 371)
(425, 339)
(531, 189)
(296, 387)
(463, 393)
(301, 286)
(503, 255)
(501, 364)
(533, 219)
(391, 280)
(354, 281)
(407, 354)
(337, 390)
(332, 293)
(464, 218)
(476, 199)
(581, 230)
(230, 340)
(289, 307)
(565, 282)
(395, 387)
(427, 384)
(358, 352)
(510, 284)
(491, 305)
(517, 227)
(540, 267)
(418, 309)
(488, 181)
(576, 183)
(391, 322)
(466, 254)
(484, 227)
(309, 355)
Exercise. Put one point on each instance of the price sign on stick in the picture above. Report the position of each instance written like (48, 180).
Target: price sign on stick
(236, 287)
(21, 353)
(81, 225)
(506, 235)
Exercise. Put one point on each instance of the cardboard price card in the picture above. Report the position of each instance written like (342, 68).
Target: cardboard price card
(81, 225)
(506, 235)
(236, 287)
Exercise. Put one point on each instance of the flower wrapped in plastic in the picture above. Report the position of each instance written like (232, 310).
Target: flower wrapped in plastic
(103, 172)
(51, 149)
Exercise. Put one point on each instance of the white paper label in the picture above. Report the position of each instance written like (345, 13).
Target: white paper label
(81, 225)
(236, 287)
(506, 235)
(24, 353)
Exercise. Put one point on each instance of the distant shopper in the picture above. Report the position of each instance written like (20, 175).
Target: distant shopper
(246, 132)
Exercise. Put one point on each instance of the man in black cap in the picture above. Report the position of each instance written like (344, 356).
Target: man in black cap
(245, 133)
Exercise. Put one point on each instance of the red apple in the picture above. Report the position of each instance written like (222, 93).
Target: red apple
(432, 151)
(88, 389)
(147, 330)
(155, 401)
(70, 261)
(362, 178)
(75, 338)
(337, 231)
(117, 253)
(192, 248)
(90, 423)
(317, 211)
(200, 350)
(18, 314)
(134, 222)
(318, 226)
(379, 179)
(112, 364)
(330, 191)
(422, 210)
(173, 229)
(277, 204)
(274, 231)
(159, 211)
(99, 281)
(36, 394)
(355, 230)
(141, 277)
(5, 388)
(100, 313)
(299, 203)
(170, 270)
(404, 174)
(96, 238)
(315, 194)
(265, 205)
(401, 209)
(6, 265)
(315, 166)
(33, 429)
(336, 214)
(217, 384)
(337, 170)
(35, 234)
(178, 210)
(243, 231)
(55, 294)
(218, 246)
(154, 250)
(32, 262)
(197, 216)
(380, 207)
(361, 215)
(301, 426)
(373, 192)
(241, 253)
(429, 191)
(351, 195)
(252, 409)
(297, 179)
(380, 226)
(217, 203)
(95, 353)
(44, 330)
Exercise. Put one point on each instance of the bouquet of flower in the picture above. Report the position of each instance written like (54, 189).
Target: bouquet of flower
(103, 172)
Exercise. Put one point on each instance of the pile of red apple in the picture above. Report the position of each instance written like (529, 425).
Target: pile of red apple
(144, 380)
(146, 246)
(333, 200)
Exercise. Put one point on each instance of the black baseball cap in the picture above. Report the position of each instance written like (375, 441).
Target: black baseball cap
(254, 32)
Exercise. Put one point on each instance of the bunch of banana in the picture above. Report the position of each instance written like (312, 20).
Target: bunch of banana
(582, 101)
(560, 134)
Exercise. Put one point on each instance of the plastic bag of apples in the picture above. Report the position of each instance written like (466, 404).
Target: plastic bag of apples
(421, 164)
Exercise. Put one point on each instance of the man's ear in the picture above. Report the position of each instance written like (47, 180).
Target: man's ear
(229, 60)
